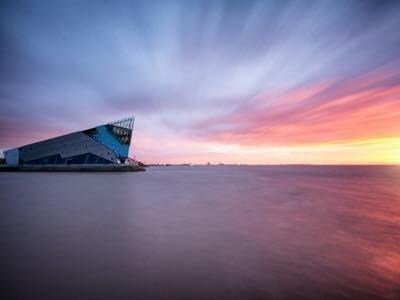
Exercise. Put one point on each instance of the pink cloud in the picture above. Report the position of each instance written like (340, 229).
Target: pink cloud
(329, 111)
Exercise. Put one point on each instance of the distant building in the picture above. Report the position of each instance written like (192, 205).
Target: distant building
(104, 144)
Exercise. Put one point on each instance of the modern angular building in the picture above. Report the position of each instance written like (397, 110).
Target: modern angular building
(106, 144)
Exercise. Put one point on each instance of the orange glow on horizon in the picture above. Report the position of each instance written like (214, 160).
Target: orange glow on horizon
(351, 122)
(371, 151)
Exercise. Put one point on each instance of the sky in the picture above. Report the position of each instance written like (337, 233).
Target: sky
(254, 82)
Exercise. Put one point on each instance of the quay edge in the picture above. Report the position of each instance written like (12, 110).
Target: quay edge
(73, 168)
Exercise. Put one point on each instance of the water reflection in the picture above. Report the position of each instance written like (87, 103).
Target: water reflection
(297, 232)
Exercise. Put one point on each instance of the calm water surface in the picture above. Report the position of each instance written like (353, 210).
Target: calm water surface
(244, 232)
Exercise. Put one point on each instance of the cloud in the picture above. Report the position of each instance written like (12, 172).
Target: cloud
(258, 72)
(331, 111)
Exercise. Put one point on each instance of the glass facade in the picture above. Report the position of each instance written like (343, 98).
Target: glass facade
(86, 158)
(121, 130)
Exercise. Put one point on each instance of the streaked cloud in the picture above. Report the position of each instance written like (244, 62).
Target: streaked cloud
(231, 76)
(342, 110)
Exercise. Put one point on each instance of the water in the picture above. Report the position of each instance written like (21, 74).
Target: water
(297, 232)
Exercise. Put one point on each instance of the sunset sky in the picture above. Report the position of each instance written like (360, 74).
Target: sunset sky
(260, 82)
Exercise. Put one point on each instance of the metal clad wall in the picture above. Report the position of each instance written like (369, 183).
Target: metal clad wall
(12, 156)
(67, 146)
